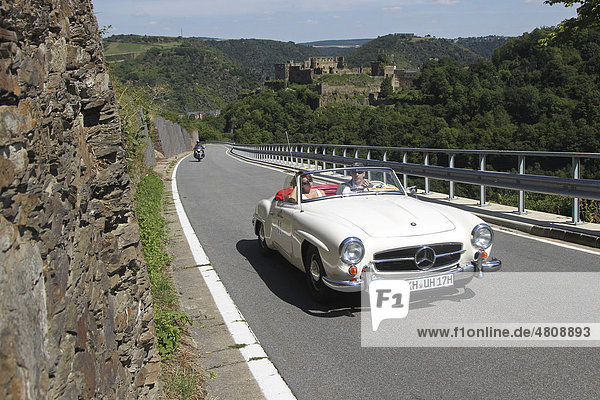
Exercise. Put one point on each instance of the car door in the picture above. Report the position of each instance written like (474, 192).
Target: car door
(281, 221)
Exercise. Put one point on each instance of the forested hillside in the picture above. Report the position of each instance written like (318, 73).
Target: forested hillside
(482, 46)
(336, 48)
(410, 51)
(190, 74)
(528, 97)
(261, 55)
(187, 77)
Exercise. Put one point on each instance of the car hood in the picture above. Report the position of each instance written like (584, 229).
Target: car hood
(386, 216)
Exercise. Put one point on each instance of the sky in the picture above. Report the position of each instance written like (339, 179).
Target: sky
(313, 20)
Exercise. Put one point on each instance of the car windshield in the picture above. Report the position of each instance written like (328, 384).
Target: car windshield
(340, 182)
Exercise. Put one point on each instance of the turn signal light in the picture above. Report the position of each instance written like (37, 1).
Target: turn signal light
(352, 270)
(484, 254)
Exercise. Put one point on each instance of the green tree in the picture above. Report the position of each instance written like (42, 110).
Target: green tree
(588, 16)
(384, 59)
(386, 89)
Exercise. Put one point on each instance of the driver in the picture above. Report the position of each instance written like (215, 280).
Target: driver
(358, 181)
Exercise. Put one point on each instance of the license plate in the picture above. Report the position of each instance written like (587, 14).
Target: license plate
(431, 282)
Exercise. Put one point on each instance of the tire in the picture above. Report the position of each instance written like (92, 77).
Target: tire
(262, 243)
(314, 276)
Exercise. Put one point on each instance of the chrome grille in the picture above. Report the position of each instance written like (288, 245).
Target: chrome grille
(404, 259)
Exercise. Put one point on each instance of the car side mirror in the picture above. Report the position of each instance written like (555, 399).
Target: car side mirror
(412, 191)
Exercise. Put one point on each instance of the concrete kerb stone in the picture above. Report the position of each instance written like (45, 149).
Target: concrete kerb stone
(541, 228)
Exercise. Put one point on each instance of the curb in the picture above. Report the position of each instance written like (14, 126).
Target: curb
(550, 232)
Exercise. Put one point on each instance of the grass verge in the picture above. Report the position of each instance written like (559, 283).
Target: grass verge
(182, 377)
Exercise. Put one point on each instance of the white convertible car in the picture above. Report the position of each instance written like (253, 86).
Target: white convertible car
(358, 223)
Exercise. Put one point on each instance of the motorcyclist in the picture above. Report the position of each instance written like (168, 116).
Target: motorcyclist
(198, 145)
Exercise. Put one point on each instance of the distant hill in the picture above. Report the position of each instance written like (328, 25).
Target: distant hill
(336, 48)
(337, 43)
(187, 77)
(261, 55)
(410, 51)
(483, 46)
(122, 47)
(188, 74)
(198, 73)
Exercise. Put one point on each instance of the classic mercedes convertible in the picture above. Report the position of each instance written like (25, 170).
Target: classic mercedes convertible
(345, 227)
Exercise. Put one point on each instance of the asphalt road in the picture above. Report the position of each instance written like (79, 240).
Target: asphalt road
(318, 349)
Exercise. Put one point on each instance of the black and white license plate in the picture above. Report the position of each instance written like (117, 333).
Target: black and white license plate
(431, 282)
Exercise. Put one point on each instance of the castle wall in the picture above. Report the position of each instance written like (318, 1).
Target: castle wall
(346, 93)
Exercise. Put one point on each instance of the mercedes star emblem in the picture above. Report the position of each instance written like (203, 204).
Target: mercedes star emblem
(425, 258)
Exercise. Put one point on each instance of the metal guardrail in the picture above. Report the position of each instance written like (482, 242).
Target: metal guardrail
(315, 156)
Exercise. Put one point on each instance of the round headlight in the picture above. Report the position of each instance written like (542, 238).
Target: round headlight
(482, 236)
(352, 250)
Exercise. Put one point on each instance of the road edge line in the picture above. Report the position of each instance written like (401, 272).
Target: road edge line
(269, 380)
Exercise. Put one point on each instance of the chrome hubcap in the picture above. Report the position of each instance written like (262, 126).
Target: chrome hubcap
(314, 270)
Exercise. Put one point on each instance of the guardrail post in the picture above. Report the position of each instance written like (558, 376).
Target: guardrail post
(368, 158)
(451, 188)
(576, 201)
(426, 162)
(345, 152)
(404, 176)
(384, 160)
(482, 201)
(521, 209)
(333, 154)
(324, 153)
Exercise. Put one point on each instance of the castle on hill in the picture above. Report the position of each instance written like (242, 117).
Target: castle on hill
(303, 72)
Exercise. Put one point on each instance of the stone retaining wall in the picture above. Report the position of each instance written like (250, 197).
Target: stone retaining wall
(172, 138)
(76, 318)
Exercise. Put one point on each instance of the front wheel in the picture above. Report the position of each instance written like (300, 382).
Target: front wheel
(314, 276)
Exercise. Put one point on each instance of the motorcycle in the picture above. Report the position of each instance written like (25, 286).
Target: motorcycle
(199, 153)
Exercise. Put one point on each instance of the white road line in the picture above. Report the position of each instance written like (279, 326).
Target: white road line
(270, 382)
(568, 246)
(258, 164)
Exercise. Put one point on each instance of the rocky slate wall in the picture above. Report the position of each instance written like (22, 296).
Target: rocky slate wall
(75, 312)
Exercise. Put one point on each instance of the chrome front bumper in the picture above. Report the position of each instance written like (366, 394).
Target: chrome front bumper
(477, 267)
